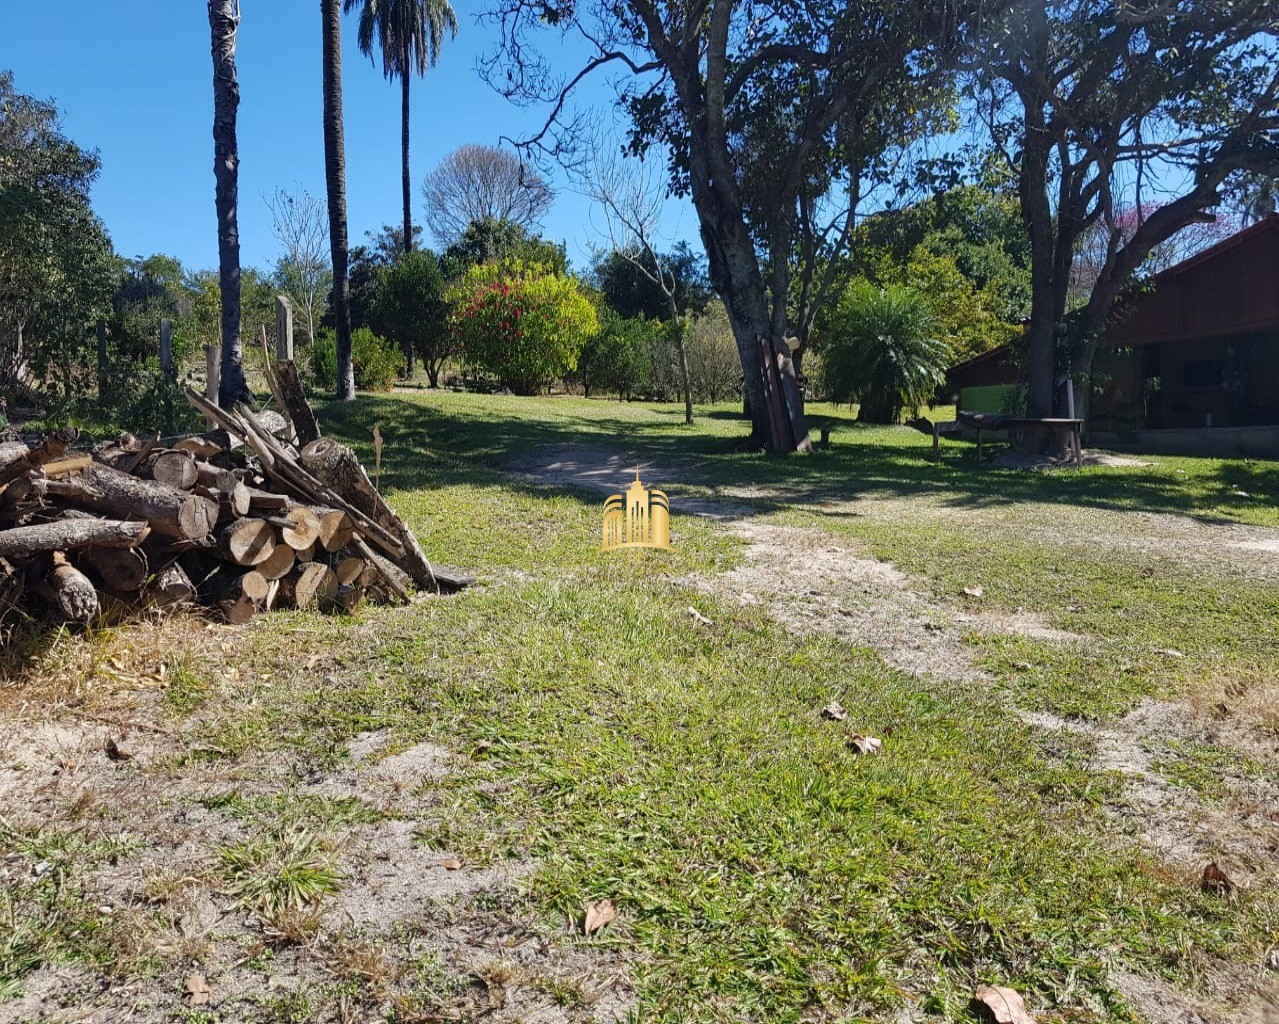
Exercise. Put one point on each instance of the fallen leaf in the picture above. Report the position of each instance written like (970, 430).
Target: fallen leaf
(1000, 1005)
(834, 711)
(598, 915)
(198, 990)
(698, 617)
(974, 591)
(1169, 652)
(1074, 608)
(452, 864)
(114, 752)
(865, 744)
(1216, 880)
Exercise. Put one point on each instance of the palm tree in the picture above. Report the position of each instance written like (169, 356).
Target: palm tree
(224, 20)
(409, 33)
(335, 184)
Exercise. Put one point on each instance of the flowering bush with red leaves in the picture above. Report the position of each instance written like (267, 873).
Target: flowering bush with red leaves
(521, 324)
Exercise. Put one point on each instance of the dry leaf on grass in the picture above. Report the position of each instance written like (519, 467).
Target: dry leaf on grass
(1000, 1005)
(114, 752)
(834, 711)
(974, 591)
(865, 744)
(198, 991)
(1216, 880)
(1169, 652)
(598, 914)
(452, 864)
(698, 617)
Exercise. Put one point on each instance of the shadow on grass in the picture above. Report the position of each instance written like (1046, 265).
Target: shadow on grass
(862, 461)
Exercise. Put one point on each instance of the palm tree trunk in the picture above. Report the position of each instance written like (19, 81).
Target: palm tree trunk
(224, 19)
(335, 182)
(404, 152)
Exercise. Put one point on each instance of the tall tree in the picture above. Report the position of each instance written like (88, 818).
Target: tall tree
(748, 98)
(409, 34)
(224, 21)
(335, 185)
(1104, 108)
(475, 183)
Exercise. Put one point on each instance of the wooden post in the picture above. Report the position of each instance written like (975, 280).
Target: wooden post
(166, 371)
(103, 390)
(166, 346)
(283, 327)
(212, 376)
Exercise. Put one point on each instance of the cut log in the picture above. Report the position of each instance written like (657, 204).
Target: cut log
(294, 399)
(247, 541)
(68, 534)
(267, 501)
(279, 564)
(336, 529)
(273, 586)
(349, 570)
(70, 592)
(236, 611)
(169, 586)
(307, 585)
(274, 422)
(349, 597)
(303, 528)
(10, 450)
(381, 574)
(338, 468)
(122, 570)
(171, 512)
(21, 494)
(65, 467)
(251, 585)
(53, 447)
(177, 469)
(215, 477)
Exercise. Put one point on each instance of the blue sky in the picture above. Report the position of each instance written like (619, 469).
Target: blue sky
(134, 81)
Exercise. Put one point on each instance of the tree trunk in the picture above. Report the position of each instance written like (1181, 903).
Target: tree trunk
(223, 22)
(405, 185)
(70, 592)
(678, 326)
(299, 409)
(335, 183)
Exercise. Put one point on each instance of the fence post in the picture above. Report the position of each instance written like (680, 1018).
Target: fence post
(283, 327)
(166, 371)
(212, 375)
(103, 390)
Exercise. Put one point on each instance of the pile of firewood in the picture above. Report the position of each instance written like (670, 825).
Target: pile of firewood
(256, 513)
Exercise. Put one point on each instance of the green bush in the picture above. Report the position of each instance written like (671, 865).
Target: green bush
(617, 357)
(883, 349)
(521, 323)
(376, 362)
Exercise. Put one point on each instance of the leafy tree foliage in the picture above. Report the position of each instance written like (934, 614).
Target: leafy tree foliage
(882, 349)
(618, 358)
(57, 269)
(408, 307)
(759, 105)
(520, 323)
(631, 292)
(1102, 107)
(494, 240)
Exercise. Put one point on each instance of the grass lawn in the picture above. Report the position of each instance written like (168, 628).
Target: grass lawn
(1038, 814)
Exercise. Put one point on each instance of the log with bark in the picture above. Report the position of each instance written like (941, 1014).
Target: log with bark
(170, 511)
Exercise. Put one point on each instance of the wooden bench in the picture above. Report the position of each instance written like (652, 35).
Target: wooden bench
(989, 421)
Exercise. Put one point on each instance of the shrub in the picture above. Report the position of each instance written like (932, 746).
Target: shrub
(376, 361)
(520, 323)
(881, 347)
(714, 365)
(617, 357)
